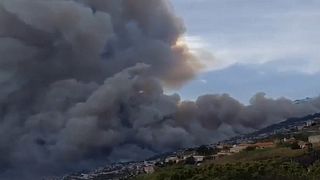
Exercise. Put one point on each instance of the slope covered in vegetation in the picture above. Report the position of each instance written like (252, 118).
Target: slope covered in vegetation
(275, 164)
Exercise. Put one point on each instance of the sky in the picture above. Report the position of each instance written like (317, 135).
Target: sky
(251, 46)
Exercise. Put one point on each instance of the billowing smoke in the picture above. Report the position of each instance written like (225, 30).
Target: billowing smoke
(81, 85)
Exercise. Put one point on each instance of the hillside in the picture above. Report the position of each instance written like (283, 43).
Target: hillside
(285, 160)
(274, 163)
(287, 126)
(289, 123)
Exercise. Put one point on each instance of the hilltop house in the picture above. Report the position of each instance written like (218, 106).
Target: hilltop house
(198, 158)
(314, 139)
(304, 145)
(309, 123)
(239, 148)
(223, 147)
(148, 169)
(173, 159)
(290, 140)
(221, 154)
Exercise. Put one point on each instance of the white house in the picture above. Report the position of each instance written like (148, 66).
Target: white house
(238, 148)
(148, 169)
(174, 159)
(198, 158)
(314, 139)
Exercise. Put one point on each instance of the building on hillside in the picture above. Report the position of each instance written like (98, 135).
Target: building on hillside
(225, 151)
(188, 153)
(263, 145)
(305, 145)
(184, 157)
(223, 147)
(220, 146)
(173, 159)
(314, 139)
(309, 123)
(221, 154)
(281, 131)
(239, 148)
(198, 158)
(148, 169)
(289, 140)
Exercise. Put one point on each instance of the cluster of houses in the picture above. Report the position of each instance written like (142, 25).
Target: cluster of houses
(127, 170)
(184, 157)
(314, 139)
(246, 142)
(222, 150)
(113, 171)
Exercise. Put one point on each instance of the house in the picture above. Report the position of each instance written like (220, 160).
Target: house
(188, 153)
(220, 146)
(223, 146)
(148, 169)
(314, 139)
(289, 140)
(263, 145)
(220, 154)
(304, 145)
(186, 156)
(309, 123)
(198, 158)
(239, 148)
(225, 151)
(174, 159)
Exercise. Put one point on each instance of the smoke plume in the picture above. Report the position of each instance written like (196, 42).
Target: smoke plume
(81, 85)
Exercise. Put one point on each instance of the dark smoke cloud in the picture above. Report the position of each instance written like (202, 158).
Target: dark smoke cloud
(81, 85)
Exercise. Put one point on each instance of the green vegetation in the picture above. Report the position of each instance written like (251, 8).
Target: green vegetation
(260, 154)
(261, 164)
(263, 170)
